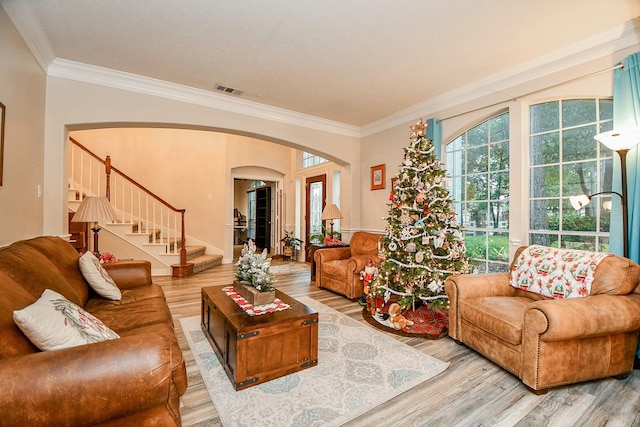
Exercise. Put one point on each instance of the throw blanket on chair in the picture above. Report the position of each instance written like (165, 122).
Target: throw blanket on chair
(556, 273)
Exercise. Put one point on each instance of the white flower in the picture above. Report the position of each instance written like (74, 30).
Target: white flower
(253, 269)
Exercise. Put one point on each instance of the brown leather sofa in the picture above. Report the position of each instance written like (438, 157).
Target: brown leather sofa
(338, 269)
(550, 342)
(136, 380)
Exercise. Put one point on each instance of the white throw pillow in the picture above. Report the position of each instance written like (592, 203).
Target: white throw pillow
(53, 322)
(98, 278)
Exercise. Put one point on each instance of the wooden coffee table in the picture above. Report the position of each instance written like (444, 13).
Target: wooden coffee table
(255, 349)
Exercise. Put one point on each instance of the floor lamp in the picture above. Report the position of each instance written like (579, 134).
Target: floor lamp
(94, 210)
(620, 141)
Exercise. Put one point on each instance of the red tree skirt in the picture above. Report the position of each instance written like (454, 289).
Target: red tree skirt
(427, 323)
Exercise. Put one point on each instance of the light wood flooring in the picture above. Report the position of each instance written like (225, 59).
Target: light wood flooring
(472, 391)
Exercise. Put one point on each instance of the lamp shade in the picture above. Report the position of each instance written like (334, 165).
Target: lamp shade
(331, 212)
(624, 139)
(579, 202)
(94, 209)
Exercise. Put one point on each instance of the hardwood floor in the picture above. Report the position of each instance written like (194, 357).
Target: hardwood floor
(472, 391)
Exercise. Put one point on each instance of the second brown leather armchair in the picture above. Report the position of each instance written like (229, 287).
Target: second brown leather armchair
(338, 269)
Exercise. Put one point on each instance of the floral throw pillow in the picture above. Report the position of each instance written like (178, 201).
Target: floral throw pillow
(53, 322)
(556, 273)
(98, 278)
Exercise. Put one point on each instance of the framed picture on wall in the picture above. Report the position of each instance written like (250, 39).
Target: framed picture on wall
(377, 177)
(2, 108)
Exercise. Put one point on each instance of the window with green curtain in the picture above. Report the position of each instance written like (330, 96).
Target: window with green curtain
(564, 161)
(477, 162)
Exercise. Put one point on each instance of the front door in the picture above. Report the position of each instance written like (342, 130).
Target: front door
(315, 201)
(263, 218)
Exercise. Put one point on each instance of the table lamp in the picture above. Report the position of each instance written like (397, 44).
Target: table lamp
(94, 209)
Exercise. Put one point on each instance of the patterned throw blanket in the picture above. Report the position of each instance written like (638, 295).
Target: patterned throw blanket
(556, 273)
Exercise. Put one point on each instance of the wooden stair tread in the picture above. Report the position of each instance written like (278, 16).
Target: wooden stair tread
(205, 261)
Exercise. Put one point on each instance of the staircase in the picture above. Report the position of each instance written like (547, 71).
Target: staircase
(144, 220)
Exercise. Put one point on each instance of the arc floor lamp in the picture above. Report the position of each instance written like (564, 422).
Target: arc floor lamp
(620, 141)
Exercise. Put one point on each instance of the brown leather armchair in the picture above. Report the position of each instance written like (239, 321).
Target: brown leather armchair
(550, 342)
(338, 269)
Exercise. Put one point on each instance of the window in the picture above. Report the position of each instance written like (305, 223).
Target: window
(478, 164)
(565, 160)
(309, 159)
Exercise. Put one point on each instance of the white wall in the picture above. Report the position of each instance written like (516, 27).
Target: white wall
(387, 146)
(22, 91)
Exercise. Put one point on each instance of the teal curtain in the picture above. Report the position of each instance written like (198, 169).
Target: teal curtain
(434, 133)
(626, 113)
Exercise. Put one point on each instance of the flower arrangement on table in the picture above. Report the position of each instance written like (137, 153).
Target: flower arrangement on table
(253, 269)
(332, 241)
(105, 257)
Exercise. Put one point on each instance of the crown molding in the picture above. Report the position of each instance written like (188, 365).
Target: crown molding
(605, 44)
(77, 71)
(30, 30)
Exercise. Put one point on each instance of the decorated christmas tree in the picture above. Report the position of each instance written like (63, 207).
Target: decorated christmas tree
(423, 244)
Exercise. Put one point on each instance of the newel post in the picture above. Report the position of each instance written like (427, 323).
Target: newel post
(107, 168)
(184, 269)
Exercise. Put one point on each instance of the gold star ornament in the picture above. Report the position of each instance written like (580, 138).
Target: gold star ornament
(418, 130)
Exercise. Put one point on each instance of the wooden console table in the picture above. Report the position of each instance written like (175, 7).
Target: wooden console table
(255, 349)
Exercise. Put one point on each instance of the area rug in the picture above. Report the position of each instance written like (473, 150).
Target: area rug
(358, 369)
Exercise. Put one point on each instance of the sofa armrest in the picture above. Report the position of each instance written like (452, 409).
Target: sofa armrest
(577, 318)
(357, 263)
(129, 274)
(330, 254)
(88, 384)
(469, 286)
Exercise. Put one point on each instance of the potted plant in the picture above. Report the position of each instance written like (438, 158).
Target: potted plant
(254, 280)
(290, 243)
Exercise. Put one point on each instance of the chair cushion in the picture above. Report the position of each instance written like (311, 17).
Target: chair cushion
(98, 278)
(53, 322)
(336, 269)
(499, 316)
(363, 243)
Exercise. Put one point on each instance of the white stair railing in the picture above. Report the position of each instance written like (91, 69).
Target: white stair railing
(132, 202)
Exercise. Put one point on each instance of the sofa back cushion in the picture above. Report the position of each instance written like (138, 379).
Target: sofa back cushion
(616, 275)
(66, 259)
(34, 272)
(14, 297)
(363, 243)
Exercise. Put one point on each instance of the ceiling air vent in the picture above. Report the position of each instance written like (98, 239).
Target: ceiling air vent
(227, 89)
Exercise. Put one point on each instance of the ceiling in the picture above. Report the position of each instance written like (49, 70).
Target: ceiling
(353, 62)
